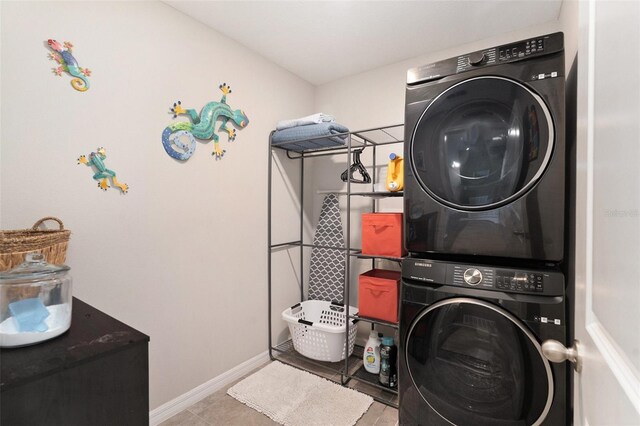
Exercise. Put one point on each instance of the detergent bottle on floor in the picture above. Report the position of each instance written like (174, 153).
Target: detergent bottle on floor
(388, 354)
(395, 173)
(371, 357)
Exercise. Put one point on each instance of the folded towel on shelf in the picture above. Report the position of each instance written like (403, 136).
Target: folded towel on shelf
(296, 138)
(305, 121)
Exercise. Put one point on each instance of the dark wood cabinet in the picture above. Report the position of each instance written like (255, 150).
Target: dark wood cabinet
(97, 373)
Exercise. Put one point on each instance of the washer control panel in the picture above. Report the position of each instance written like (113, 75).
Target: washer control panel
(520, 281)
(538, 282)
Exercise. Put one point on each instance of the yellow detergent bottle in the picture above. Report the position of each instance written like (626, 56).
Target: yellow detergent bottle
(395, 173)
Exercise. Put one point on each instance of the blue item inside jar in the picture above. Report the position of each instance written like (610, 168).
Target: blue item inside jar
(29, 315)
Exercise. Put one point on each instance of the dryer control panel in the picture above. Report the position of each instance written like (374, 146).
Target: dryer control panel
(539, 282)
(521, 49)
(517, 51)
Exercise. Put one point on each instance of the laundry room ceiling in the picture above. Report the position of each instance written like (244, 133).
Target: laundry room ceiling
(322, 41)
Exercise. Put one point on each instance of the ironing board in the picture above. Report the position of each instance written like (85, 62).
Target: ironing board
(326, 272)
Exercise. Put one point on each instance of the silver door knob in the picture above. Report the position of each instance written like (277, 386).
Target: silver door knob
(555, 351)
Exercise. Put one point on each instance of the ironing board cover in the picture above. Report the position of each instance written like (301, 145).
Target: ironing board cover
(326, 272)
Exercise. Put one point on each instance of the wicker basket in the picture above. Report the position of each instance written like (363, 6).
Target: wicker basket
(14, 245)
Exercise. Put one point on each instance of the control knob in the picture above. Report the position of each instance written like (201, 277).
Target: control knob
(476, 58)
(472, 276)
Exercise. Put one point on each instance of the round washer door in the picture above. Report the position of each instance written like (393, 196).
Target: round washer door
(482, 143)
(474, 363)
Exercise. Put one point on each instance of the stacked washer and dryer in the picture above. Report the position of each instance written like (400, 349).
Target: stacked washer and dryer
(485, 211)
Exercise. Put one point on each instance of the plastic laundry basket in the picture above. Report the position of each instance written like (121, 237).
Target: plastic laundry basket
(317, 329)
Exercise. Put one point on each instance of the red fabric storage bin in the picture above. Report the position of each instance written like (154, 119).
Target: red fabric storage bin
(382, 234)
(378, 291)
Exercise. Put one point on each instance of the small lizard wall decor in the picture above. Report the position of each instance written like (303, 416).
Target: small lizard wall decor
(63, 56)
(96, 160)
(202, 127)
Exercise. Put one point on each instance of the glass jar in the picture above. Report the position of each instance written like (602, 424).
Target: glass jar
(35, 302)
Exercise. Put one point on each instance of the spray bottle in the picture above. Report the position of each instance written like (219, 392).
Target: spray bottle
(395, 173)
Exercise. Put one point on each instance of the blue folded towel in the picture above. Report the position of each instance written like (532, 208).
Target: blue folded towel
(319, 117)
(285, 138)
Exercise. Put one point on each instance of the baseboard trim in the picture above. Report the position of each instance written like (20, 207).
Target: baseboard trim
(176, 405)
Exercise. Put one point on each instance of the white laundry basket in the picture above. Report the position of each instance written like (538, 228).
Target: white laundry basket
(317, 329)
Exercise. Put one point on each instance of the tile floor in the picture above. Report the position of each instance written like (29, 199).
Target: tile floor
(221, 409)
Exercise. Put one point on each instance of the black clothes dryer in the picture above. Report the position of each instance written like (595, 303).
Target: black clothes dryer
(484, 139)
(470, 346)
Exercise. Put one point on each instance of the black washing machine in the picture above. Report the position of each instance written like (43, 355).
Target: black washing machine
(485, 144)
(471, 341)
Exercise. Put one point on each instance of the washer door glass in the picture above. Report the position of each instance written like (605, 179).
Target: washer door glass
(482, 143)
(476, 364)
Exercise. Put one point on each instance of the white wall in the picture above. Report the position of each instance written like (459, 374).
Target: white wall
(182, 257)
(569, 23)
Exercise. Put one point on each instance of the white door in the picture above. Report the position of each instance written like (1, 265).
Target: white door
(607, 392)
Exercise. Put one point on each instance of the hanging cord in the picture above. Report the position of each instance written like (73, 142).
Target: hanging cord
(357, 166)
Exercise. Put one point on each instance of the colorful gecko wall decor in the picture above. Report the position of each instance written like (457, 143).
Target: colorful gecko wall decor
(96, 159)
(62, 55)
(201, 127)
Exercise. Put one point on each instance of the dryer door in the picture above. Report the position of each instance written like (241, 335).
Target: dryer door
(482, 143)
(476, 364)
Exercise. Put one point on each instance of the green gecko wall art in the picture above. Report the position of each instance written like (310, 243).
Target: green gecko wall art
(202, 127)
(102, 175)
